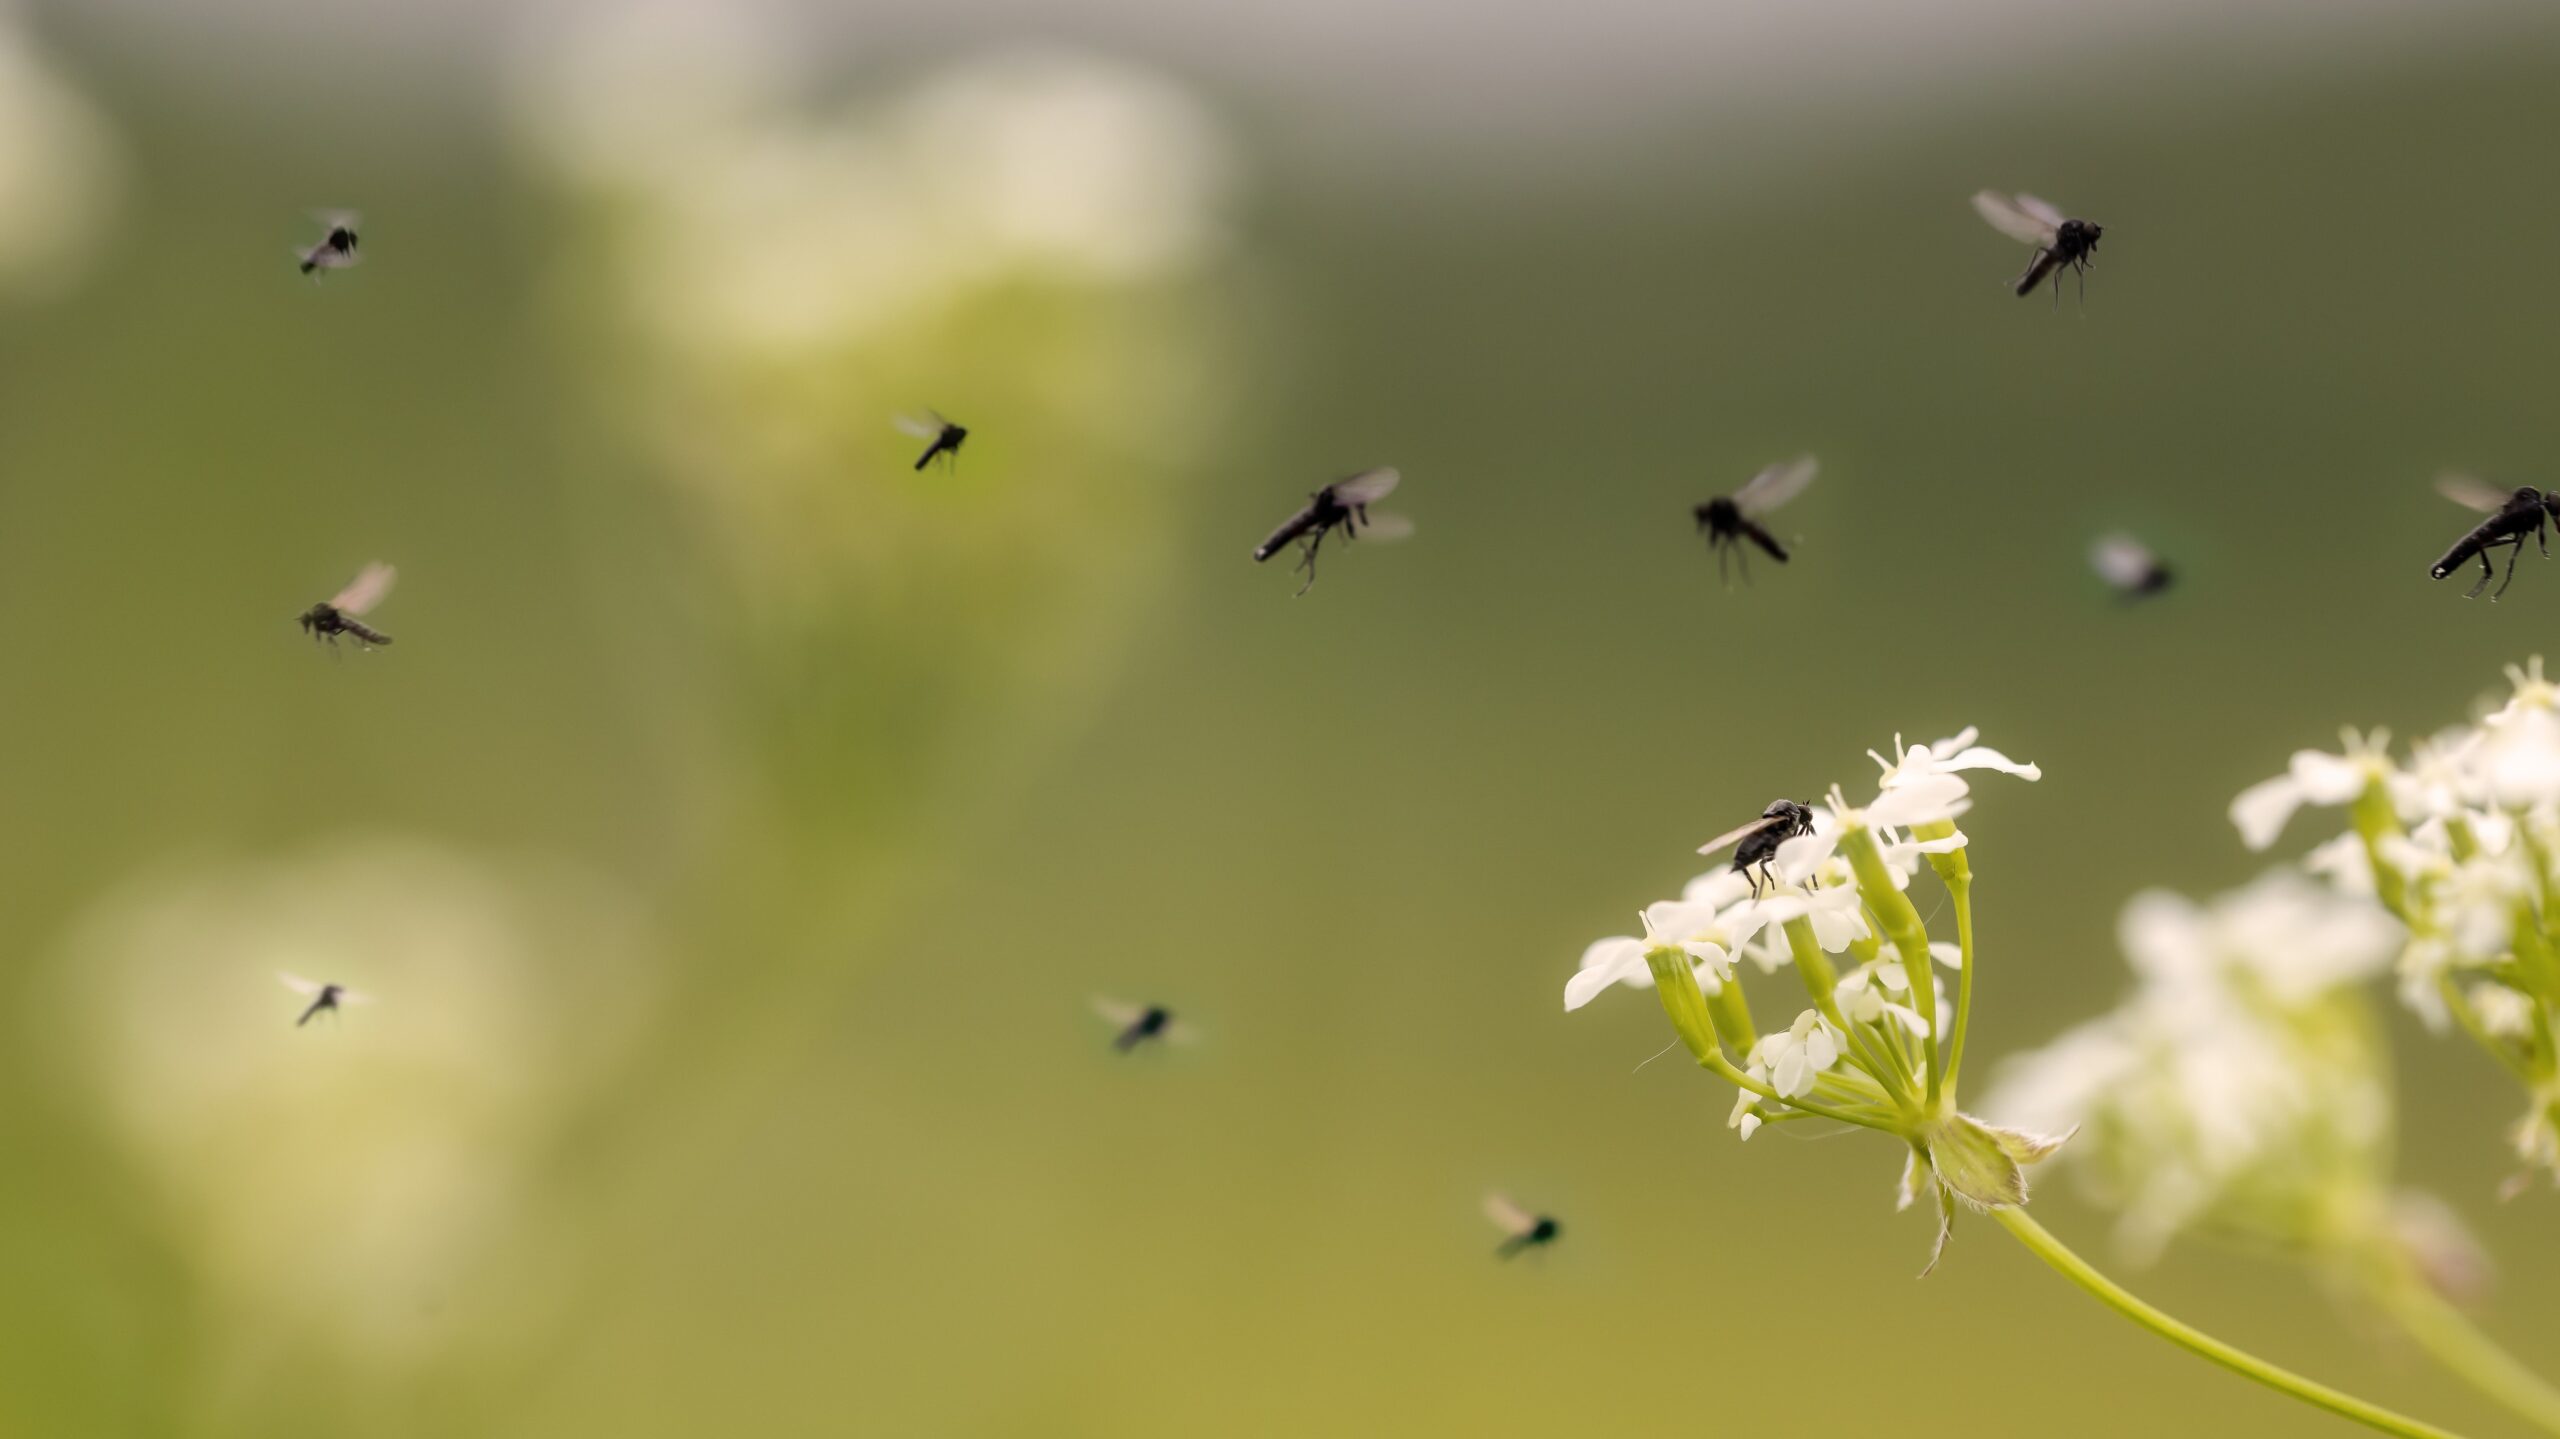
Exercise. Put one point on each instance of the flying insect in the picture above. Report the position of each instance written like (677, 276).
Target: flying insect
(325, 998)
(2128, 566)
(1729, 520)
(1342, 505)
(1521, 1229)
(343, 613)
(2512, 516)
(941, 436)
(337, 247)
(1139, 1023)
(2059, 240)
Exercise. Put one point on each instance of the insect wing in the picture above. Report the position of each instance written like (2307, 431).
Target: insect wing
(354, 996)
(1118, 1012)
(2122, 561)
(1365, 488)
(927, 426)
(1776, 485)
(365, 590)
(2013, 218)
(307, 988)
(2471, 492)
(2042, 210)
(1508, 1217)
(1732, 837)
(1383, 527)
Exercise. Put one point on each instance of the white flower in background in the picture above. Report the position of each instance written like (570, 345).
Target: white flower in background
(2502, 1011)
(2442, 778)
(2518, 756)
(2313, 777)
(1706, 932)
(2293, 938)
(335, 1184)
(2344, 862)
(1791, 1060)
(60, 168)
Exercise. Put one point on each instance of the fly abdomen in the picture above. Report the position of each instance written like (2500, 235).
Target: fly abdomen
(1764, 540)
(363, 631)
(1296, 525)
(2037, 268)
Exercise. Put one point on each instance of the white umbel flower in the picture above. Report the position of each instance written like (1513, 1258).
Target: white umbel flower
(2313, 777)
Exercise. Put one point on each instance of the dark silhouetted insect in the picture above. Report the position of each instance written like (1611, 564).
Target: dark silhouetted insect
(325, 998)
(1521, 1229)
(343, 613)
(1343, 505)
(337, 247)
(2128, 566)
(1756, 844)
(2512, 516)
(1728, 520)
(941, 436)
(1139, 1023)
(2058, 241)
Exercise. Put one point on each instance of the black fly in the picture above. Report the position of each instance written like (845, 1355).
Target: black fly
(1343, 505)
(1756, 844)
(941, 436)
(1139, 1023)
(2058, 241)
(1728, 520)
(2526, 511)
(1520, 1229)
(2128, 566)
(337, 248)
(342, 613)
(325, 998)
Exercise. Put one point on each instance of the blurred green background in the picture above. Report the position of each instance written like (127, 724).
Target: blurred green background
(778, 875)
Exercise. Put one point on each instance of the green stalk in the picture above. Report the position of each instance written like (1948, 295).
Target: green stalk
(1901, 924)
(2451, 1340)
(2195, 1341)
(1961, 892)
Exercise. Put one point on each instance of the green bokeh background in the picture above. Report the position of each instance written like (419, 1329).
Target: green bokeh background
(1360, 837)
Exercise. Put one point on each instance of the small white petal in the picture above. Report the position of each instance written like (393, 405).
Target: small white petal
(1749, 1126)
(1793, 1076)
(1981, 758)
(2261, 811)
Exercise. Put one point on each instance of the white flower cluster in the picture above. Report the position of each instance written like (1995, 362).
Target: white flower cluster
(2240, 1088)
(2460, 842)
(1879, 1041)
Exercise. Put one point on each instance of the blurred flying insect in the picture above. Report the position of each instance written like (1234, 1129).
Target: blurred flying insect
(1728, 520)
(1139, 1023)
(337, 247)
(940, 435)
(1521, 1229)
(1756, 844)
(342, 614)
(2058, 241)
(2512, 516)
(1343, 505)
(325, 998)
(2128, 566)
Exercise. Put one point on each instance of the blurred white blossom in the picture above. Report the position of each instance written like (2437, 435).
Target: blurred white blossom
(61, 168)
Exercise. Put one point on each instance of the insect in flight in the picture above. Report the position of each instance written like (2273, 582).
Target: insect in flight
(2059, 241)
(1139, 1023)
(1342, 505)
(1521, 1229)
(342, 613)
(2512, 516)
(1756, 844)
(337, 247)
(940, 435)
(325, 998)
(2128, 566)
(1728, 520)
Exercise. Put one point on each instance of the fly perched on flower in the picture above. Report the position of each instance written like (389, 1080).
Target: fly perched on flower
(942, 437)
(342, 613)
(337, 247)
(2512, 516)
(2128, 566)
(1139, 1023)
(1521, 1229)
(1342, 505)
(2059, 241)
(1756, 844)
(1728, 520)
(325, 998)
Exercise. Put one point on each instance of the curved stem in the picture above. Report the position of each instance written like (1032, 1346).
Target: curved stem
(2195, 1341)
(1961, 890)
(2451, 1340)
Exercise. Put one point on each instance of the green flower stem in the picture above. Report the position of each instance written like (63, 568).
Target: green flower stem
(1731, 1010)
(2195, 1341)
(2376, 820)
(1960, 891)
(1883, 1064)
(2452, 1341)
(1901, 924)
(1687, 1006)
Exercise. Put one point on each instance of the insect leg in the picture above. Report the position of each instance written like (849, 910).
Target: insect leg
(2515, 552)
(1314, 543)
(2542, 533)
